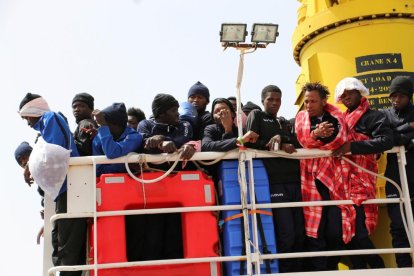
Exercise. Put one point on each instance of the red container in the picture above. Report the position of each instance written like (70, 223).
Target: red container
(184, 189)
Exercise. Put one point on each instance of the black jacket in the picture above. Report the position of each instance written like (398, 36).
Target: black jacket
(374, 124)
(279, 170)
(204, 119)
(403, 134)
(215, 139)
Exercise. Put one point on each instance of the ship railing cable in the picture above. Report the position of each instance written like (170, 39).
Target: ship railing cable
(302, 154)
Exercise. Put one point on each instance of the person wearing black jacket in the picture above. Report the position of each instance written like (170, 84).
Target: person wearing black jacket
(199, 96)
(369, 133)
(284, 174)
(82, 107)
(222, 136)
(401, 117)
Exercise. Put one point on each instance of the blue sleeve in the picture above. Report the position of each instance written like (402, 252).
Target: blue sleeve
(114, 149)
(52, 132)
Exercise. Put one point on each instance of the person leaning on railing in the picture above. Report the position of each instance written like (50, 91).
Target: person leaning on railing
(283, 173)
(369, 133)
(401, 117)
(321, 126)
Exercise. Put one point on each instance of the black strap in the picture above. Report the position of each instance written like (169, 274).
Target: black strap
(64, 133)
(264, 245)
(243, 251)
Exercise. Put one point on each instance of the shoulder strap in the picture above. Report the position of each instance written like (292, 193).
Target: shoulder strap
(64, 134)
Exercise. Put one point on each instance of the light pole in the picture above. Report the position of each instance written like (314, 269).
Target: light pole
(234, 36)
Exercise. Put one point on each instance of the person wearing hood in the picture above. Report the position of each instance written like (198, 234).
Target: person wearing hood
(222, 136)
(68, 235)
(401, 117)
(369, 134)
(114, 138)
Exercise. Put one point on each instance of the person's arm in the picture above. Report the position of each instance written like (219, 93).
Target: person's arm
(114, 149)
(212, 142)
(253, 124)
(378, 126)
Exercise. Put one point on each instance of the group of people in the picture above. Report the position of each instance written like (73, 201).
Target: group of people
(358, 134)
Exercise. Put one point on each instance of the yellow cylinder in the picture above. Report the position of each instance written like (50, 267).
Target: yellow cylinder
(371, 40)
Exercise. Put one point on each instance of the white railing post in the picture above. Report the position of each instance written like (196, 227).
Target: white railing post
(402, 161)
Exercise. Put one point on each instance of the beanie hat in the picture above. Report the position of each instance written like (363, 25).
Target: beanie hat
(199, 89)
(161, 103)
(222, 100)
(116, 114)
(249, 106)
(403, 85)
(84, 97)
(349, 84)
(24, 149)
(28, 98)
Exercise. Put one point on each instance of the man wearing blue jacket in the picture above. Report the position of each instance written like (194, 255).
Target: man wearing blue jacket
(68, 235)
(114, 138)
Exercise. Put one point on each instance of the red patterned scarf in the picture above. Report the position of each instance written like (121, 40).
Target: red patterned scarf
(329, 170)
(361, 183)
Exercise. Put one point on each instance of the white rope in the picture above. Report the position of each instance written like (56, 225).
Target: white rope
(150, 181)
(218, 159)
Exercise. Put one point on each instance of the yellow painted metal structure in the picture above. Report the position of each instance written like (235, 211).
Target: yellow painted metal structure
(372, 40)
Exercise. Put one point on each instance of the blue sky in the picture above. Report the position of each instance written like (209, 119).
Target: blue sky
(119, 51)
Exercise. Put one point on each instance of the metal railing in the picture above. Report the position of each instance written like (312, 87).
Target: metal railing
(80, 165)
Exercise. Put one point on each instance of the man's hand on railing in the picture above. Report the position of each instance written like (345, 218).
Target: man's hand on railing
(342, 150)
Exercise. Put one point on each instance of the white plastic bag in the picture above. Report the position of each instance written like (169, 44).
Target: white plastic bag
(48, 165)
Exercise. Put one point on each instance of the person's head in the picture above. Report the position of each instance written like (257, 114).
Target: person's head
(271, 99)
(82, 106)
(165, 109)
(218, 105)
(350, 91)
(116, 117)
(233, 101)
(135, 115)
(22, 154)
(249, 107)
(315, 98)
(199, 96)
(32, 107)
(401, 92)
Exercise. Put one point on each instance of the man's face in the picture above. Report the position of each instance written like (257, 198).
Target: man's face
(31, 121)
(314, 104)
(171, 116)
(272, 102)
(81, 111)
(199, 101)
(399, 100)
(218, 108)
(132, 122)
(23, 160)
(351, 99)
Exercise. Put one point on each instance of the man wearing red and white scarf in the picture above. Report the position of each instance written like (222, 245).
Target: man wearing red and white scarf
(368, 133)
(322, 126)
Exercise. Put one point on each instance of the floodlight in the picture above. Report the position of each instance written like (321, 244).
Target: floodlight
(233, 32)
(265, 33)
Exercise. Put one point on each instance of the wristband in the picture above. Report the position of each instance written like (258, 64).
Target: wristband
(240, 141)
